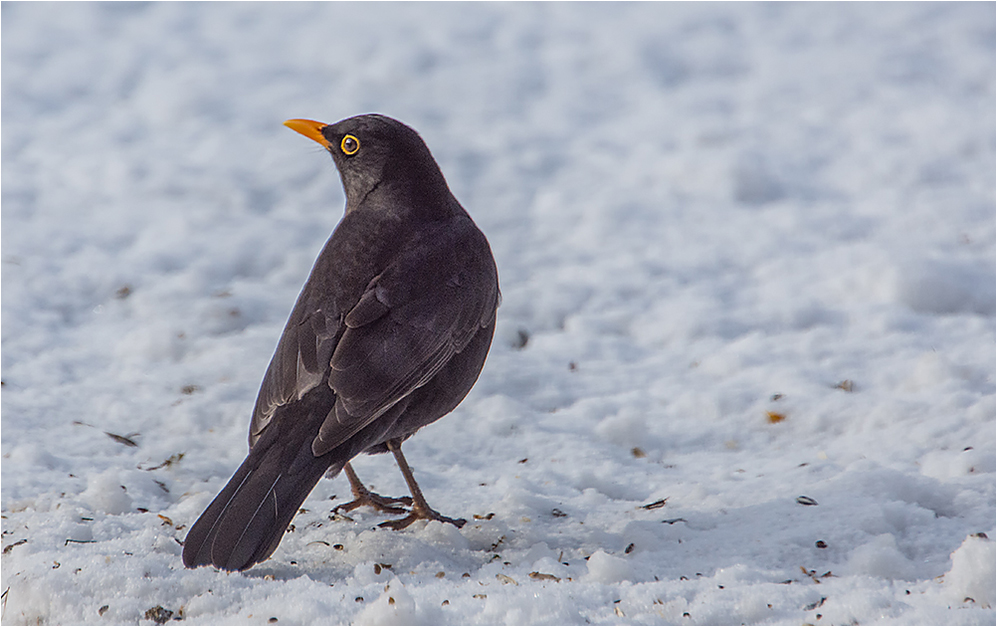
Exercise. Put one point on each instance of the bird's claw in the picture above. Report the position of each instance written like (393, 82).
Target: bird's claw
(420, 514)
(376, 501)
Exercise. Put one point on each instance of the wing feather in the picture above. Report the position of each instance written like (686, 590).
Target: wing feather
(299, 363)
(411, 320)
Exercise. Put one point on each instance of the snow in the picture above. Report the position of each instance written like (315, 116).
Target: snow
(747, 255)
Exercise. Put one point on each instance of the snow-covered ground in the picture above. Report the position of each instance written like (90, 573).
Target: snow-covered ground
(744, 370)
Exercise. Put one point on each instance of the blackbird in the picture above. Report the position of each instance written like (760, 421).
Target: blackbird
(388, 335)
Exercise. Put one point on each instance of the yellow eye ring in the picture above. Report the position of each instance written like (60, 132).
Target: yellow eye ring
(350, 145)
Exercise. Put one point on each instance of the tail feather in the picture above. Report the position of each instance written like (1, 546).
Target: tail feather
(239, 542)
(251, 528)
(245, 522)
(197, 544)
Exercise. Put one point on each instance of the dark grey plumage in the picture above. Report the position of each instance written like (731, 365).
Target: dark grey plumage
(388, 335)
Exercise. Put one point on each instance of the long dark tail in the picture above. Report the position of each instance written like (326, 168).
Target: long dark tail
(245, 522)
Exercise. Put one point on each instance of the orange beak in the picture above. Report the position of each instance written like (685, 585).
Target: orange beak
(310, 129)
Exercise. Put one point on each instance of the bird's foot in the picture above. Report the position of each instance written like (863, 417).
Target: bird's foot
(363, 496)
(378, 502)
(420, 513)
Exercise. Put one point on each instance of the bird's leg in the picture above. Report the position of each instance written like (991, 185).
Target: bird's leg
(420, 509)
(363, 496)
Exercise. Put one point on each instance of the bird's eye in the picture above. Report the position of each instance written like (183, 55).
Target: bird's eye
(350, 145)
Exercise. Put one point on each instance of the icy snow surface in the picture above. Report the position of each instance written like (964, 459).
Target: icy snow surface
(746, 252)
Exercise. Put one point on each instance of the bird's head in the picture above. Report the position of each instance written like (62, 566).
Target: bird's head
(373, 151)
